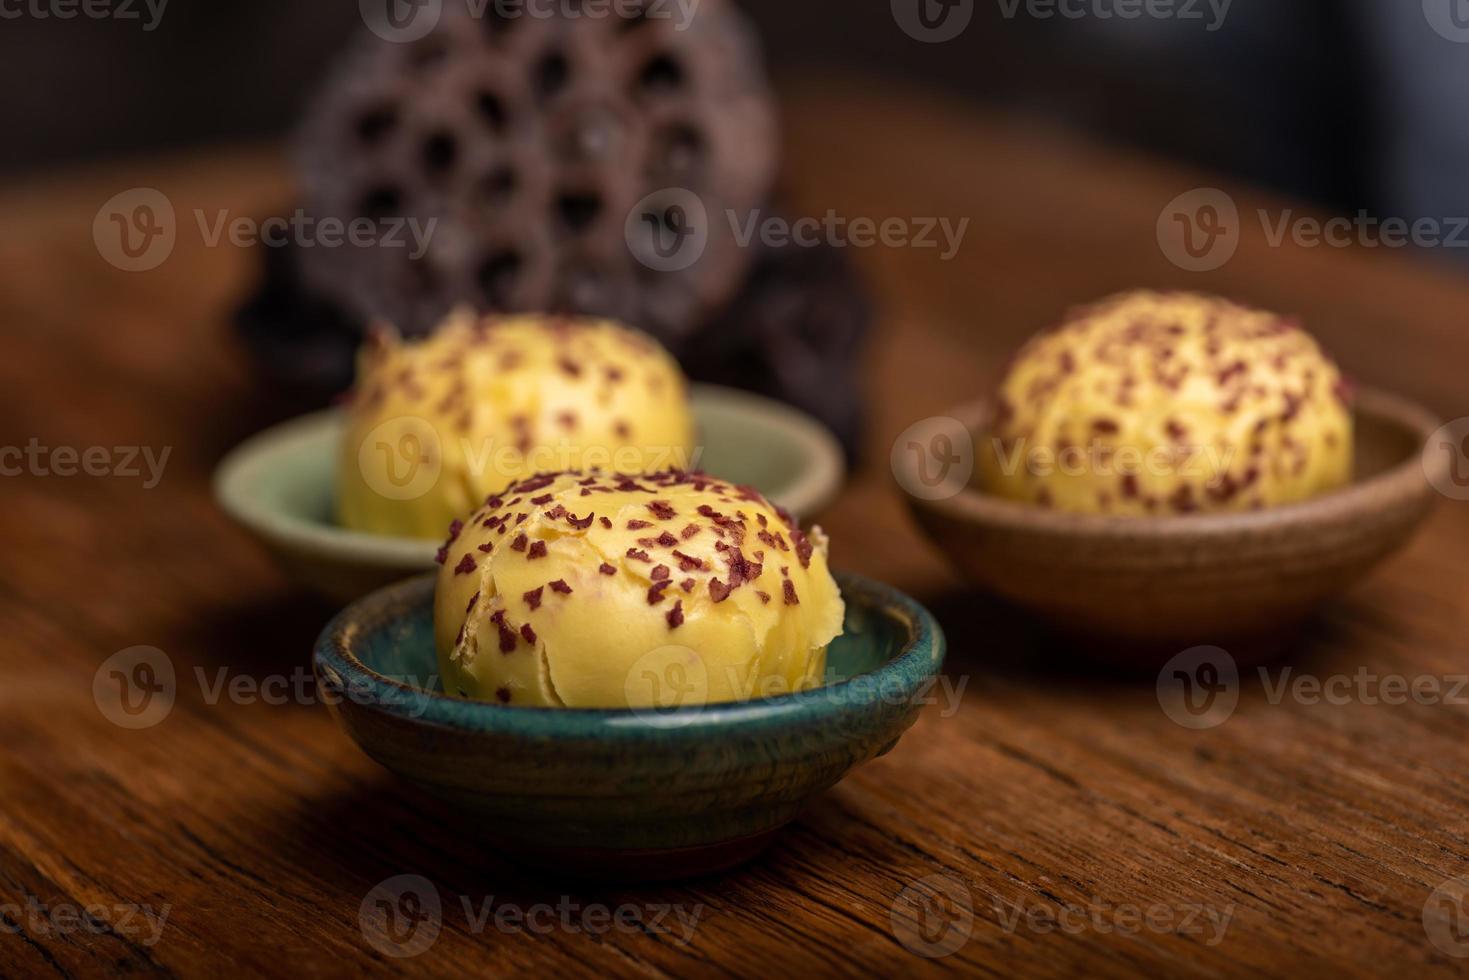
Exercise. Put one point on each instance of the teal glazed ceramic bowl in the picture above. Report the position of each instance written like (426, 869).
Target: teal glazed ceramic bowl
(637, 795)
(280, 486)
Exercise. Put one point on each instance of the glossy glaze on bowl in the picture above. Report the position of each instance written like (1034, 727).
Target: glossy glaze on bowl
(631, 794)
(279, 485)
(1146, 586)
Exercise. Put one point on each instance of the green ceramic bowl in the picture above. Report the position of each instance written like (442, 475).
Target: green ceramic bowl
(622, 793)
(280, 485)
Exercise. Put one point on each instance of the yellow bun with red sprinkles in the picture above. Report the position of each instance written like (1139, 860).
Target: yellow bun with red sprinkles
(596, 590)
(436, 424)
(1169, 403)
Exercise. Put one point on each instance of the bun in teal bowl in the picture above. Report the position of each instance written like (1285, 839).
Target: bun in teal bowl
(631, 794)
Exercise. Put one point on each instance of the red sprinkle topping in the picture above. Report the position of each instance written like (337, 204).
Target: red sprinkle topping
(687, 585)
(638, 554)
(533, 598)
(486, 548)
(655, 592)
(790, 594)
(465, 566)
(507, 635)
(560, 586)
(544, 498)
(606, 522)
(607, 569)
(660, 573)
(764, 596)
(638, 525)
(528, 633)
(689, 531)
(442, 555)
(687, 563)
(718, 590)
(519, 543)
(502, 694)
(675, 615)
(663, 510)
(666, 540)
(537, 550)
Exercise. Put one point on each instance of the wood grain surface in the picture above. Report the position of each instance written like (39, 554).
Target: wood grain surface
(1072, 826)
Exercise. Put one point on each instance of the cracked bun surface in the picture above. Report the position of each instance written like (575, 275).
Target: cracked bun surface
(595, 590)
(435, 425)
(1157, 404)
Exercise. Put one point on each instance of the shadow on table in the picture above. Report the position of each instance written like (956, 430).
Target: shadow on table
(383, 828)
(259, 637)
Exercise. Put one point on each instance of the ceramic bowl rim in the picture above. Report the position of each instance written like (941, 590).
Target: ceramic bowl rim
(813, 489)
(919, 659)
(1403, 480)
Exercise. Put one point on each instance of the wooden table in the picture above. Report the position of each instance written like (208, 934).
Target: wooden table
(1060, 805)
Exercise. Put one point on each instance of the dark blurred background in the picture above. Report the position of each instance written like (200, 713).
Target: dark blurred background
(1347, 103)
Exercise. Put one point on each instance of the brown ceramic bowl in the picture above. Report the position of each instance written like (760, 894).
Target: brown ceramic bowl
(1140, 587)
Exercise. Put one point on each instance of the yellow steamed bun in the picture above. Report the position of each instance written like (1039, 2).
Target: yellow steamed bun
(436, 424)
(597, 590)
(1150, 403)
